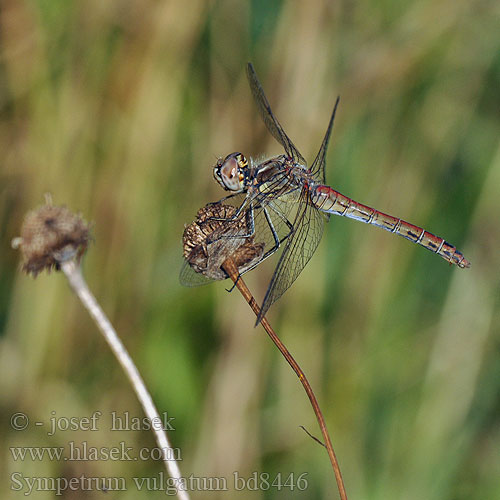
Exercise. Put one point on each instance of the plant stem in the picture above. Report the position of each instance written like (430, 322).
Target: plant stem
(73, 272)
(232, 271)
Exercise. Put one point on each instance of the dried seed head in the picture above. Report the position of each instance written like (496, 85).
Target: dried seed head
(209, 220)
(49, 236)
(216, 235)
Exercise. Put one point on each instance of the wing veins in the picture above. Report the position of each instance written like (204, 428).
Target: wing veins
(270, 120)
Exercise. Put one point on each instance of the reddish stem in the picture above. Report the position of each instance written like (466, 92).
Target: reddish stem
(232, 271)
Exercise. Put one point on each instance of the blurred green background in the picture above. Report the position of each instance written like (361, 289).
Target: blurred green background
(119, 110)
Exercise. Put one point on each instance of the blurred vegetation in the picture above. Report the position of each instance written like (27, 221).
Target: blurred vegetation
(119, 109)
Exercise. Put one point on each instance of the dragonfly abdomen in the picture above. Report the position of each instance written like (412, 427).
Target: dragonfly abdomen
(330, 201)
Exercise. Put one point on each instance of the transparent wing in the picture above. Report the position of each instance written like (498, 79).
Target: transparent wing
(299, 248)
(249, 238)
(318, 165)
(189, 277)
(270, 120)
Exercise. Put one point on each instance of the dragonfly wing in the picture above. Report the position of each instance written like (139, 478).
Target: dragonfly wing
(318, 165)
(272, 123)
(219, 232)
(189, 277)
(299, 248)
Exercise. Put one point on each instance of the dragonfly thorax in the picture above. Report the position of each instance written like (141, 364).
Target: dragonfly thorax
(232, 172)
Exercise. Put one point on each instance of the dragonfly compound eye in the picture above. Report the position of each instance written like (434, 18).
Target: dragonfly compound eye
(230, 173)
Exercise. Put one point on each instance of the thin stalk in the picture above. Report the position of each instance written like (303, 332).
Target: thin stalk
(73, 272)
(232, 271)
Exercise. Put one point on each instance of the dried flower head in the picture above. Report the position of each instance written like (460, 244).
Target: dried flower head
(49, 236)
(216, 235)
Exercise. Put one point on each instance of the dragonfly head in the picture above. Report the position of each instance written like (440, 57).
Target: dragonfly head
(231, 172)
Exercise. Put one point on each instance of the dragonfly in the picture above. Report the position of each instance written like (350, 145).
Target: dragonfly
(280, 204)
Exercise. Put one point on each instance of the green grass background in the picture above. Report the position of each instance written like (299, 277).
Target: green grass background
(119, 110)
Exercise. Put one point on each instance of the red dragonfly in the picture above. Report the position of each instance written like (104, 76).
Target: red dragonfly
(282, 204)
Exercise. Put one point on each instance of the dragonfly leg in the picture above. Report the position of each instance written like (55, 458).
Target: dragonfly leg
(277, 240)
(250, 223)
(237, 214)
(234, 284)
(232, 195)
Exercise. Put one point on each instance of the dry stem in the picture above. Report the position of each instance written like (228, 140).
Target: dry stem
(232, 271)
(73, 272)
